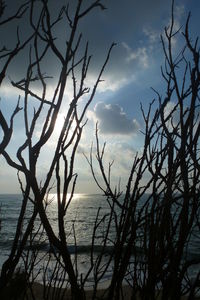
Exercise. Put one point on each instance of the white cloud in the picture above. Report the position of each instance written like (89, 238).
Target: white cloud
(120, 153)
(112, 80)
(140, 54)
(179, 11)
(177, 24)
(113, 120)
(152, 34)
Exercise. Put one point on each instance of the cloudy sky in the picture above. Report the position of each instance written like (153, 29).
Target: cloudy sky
(134, 67)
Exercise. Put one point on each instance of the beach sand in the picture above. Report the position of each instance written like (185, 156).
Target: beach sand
(52, 293)
(38, 293)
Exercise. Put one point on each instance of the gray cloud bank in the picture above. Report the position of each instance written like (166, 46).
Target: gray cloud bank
(119, 23)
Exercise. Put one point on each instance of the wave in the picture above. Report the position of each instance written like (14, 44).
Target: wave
(73, 249)
(44, 246)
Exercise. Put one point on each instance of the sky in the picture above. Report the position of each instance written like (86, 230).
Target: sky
(134, 67)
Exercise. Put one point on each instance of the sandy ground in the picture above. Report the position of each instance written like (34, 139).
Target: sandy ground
(38, 292)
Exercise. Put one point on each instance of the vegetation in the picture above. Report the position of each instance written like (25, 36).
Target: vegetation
(160, 217)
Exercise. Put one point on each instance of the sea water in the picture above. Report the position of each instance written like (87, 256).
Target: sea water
(79, 224)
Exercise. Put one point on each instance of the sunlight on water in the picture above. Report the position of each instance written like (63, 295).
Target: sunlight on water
(76, 196)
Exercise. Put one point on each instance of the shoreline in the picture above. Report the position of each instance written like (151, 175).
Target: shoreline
(39, 288)
(127, 293)
(38, 291)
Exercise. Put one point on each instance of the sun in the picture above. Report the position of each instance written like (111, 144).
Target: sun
(59, 123)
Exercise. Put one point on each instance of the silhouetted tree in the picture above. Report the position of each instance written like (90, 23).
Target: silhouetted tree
(6, 57)
(158, 217)
(70, 62)
(161, 217)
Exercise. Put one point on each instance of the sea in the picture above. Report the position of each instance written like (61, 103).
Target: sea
(79, 223)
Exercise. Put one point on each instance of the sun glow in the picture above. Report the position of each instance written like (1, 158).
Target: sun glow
(76, 196)
(59, 123)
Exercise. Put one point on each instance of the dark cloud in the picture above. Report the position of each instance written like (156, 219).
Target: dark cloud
(113, 120)
(100, 28)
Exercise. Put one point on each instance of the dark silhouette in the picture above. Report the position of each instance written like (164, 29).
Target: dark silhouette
(158, 217)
